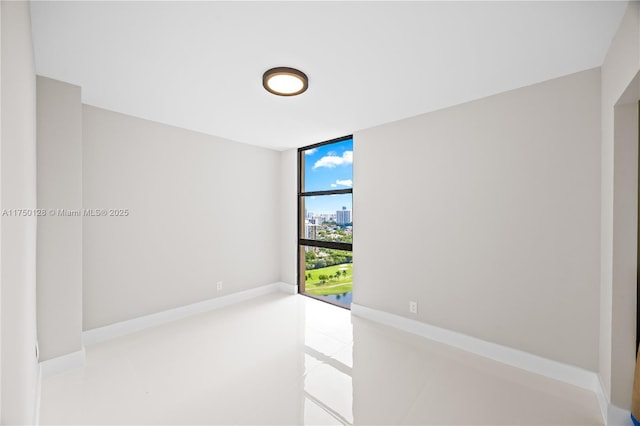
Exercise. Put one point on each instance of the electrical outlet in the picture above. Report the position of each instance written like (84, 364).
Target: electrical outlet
(413, 307)
(219, 285)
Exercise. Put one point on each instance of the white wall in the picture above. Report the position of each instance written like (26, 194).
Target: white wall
(0, 219)
(288, 215)
(59, 243)
(487, 214)
(619, 152)
(19, 365)
(201, 210)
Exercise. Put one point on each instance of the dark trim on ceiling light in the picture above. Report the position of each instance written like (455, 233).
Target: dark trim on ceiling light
(285, 71)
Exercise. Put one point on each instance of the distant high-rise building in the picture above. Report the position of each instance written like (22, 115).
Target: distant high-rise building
(343, 216)
(310, 230)
(310, 233)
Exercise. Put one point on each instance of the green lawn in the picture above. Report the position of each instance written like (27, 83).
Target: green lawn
(341, 285)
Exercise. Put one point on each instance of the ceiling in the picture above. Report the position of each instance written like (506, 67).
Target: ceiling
(199, 65)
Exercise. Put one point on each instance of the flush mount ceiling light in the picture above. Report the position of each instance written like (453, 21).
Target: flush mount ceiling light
(284, 81)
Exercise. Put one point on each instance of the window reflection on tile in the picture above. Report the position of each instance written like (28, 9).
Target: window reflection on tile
(333, 389)
(314, 414)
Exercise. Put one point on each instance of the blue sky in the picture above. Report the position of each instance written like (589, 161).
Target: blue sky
(329, 167)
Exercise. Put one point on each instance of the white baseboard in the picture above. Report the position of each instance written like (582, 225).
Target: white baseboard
(617, 416)
(612, 415)
(36, 413)
(566, 373)
(136, 324)
(62, 363)
(603, 401)
(288, 288)
(510, 356)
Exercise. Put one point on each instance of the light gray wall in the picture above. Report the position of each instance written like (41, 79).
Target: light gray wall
(201, 210)
(59, 243)
(619, 180)
(487, 214)
(18, 248)
(288, 215)
(1, 116)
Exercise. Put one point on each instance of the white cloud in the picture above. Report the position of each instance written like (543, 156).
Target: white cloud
(333, 185)
(310, 151)
(347, 182)
(332, 160)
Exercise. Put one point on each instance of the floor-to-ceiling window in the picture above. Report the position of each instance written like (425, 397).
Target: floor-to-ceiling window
(325, 225)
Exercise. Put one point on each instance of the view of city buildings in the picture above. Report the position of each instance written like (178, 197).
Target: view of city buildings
(328, 226)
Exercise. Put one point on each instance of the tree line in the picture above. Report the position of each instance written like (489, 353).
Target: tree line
(326, 257)
(328, 277)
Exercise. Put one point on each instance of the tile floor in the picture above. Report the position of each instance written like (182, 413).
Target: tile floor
(283, 359)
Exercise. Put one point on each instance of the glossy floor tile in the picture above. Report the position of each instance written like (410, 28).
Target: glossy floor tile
(282, 359)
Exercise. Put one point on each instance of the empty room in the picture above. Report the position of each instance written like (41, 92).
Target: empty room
(319, 212)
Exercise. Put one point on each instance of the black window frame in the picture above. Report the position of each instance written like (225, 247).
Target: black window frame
(301, 194)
